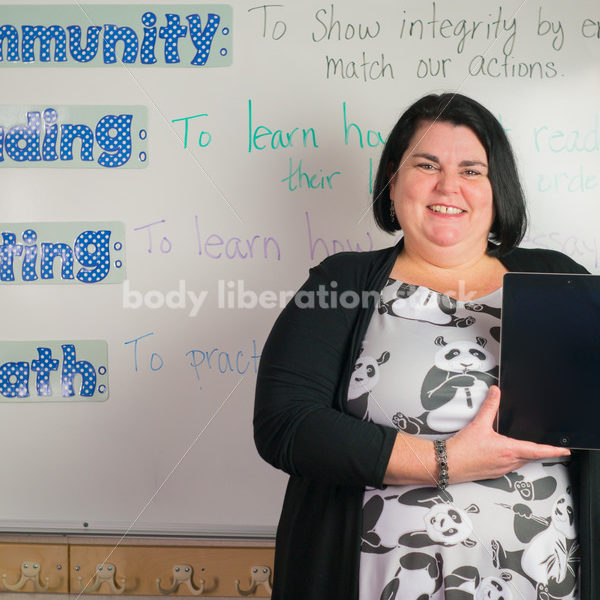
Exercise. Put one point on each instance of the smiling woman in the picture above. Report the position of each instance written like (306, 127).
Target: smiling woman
(441, 194)
(400, 394)
(456, 118)
(448, 179)
(441, 197)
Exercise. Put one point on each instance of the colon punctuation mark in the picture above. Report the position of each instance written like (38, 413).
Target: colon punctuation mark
(271, 29)
(155, 362)
(165, 244)
(205, 137)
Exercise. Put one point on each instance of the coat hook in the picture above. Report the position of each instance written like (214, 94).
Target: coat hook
(30, 571)
(105, 572)
(184, 574)
(259, 575)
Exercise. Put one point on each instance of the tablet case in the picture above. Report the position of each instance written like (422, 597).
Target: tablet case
(550, 359)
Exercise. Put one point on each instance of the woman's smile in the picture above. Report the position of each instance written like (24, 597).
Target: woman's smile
(444, 209)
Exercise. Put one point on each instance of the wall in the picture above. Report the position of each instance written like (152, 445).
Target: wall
(243, 171)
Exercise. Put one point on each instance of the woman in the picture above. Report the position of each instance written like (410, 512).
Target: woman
(356, 399)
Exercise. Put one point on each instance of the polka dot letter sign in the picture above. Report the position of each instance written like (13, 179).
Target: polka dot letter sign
(72, 370)
(171, 35)
(93, 137)
(73, 253)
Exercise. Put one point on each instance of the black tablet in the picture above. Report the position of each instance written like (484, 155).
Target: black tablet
(550, 359)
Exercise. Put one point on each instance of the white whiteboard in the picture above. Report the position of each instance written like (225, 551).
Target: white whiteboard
(171, 450)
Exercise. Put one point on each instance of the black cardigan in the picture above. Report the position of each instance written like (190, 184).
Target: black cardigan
(300, 426)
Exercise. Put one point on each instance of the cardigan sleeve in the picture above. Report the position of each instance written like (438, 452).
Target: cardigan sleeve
(297, 426)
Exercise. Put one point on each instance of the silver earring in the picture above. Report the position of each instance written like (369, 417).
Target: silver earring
(392, 213)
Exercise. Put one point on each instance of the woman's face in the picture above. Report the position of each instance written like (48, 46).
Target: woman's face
(441, 192)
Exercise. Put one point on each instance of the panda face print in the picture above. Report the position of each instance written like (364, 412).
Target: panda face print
(454, 388)
(463, 356)
(365, 375)
(418, 303)
(493, 588)
(465, 582)
(563, 516)
(423, 305)
(419, 577)
(447, 524)
(549, 558)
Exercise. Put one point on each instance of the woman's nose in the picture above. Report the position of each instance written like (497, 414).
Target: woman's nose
(448, 182)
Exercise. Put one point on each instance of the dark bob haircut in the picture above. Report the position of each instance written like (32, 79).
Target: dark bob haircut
(510, 220)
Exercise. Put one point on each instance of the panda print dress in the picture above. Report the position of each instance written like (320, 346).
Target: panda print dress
(425, 367)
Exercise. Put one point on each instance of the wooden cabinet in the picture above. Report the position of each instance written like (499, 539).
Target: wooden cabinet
(139, 567)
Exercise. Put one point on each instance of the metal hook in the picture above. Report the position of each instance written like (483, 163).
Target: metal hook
(105, 573)
(184, 574)
(30, 571)
(259, 575)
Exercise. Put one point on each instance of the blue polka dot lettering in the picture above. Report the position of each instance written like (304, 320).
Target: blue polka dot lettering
(71, 367)
(50, 135)
(9, 32)
(112, 34)
(49, 253)
(91, 47)
(202, 38)
(23, 141)
(171, 34)
(149, 42)
(46, 35)
(68, 133)
(92, 249)
(42, 367)
(14, 379)
(113, 134)
(29, 238)
(8, 251)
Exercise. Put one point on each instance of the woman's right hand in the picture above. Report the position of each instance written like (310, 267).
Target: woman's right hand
(479, 452)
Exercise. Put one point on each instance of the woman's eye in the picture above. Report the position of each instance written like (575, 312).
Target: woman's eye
(427, 166)
(472, 173)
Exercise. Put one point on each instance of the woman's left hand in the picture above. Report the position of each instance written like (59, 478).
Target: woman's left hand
(479, 452)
